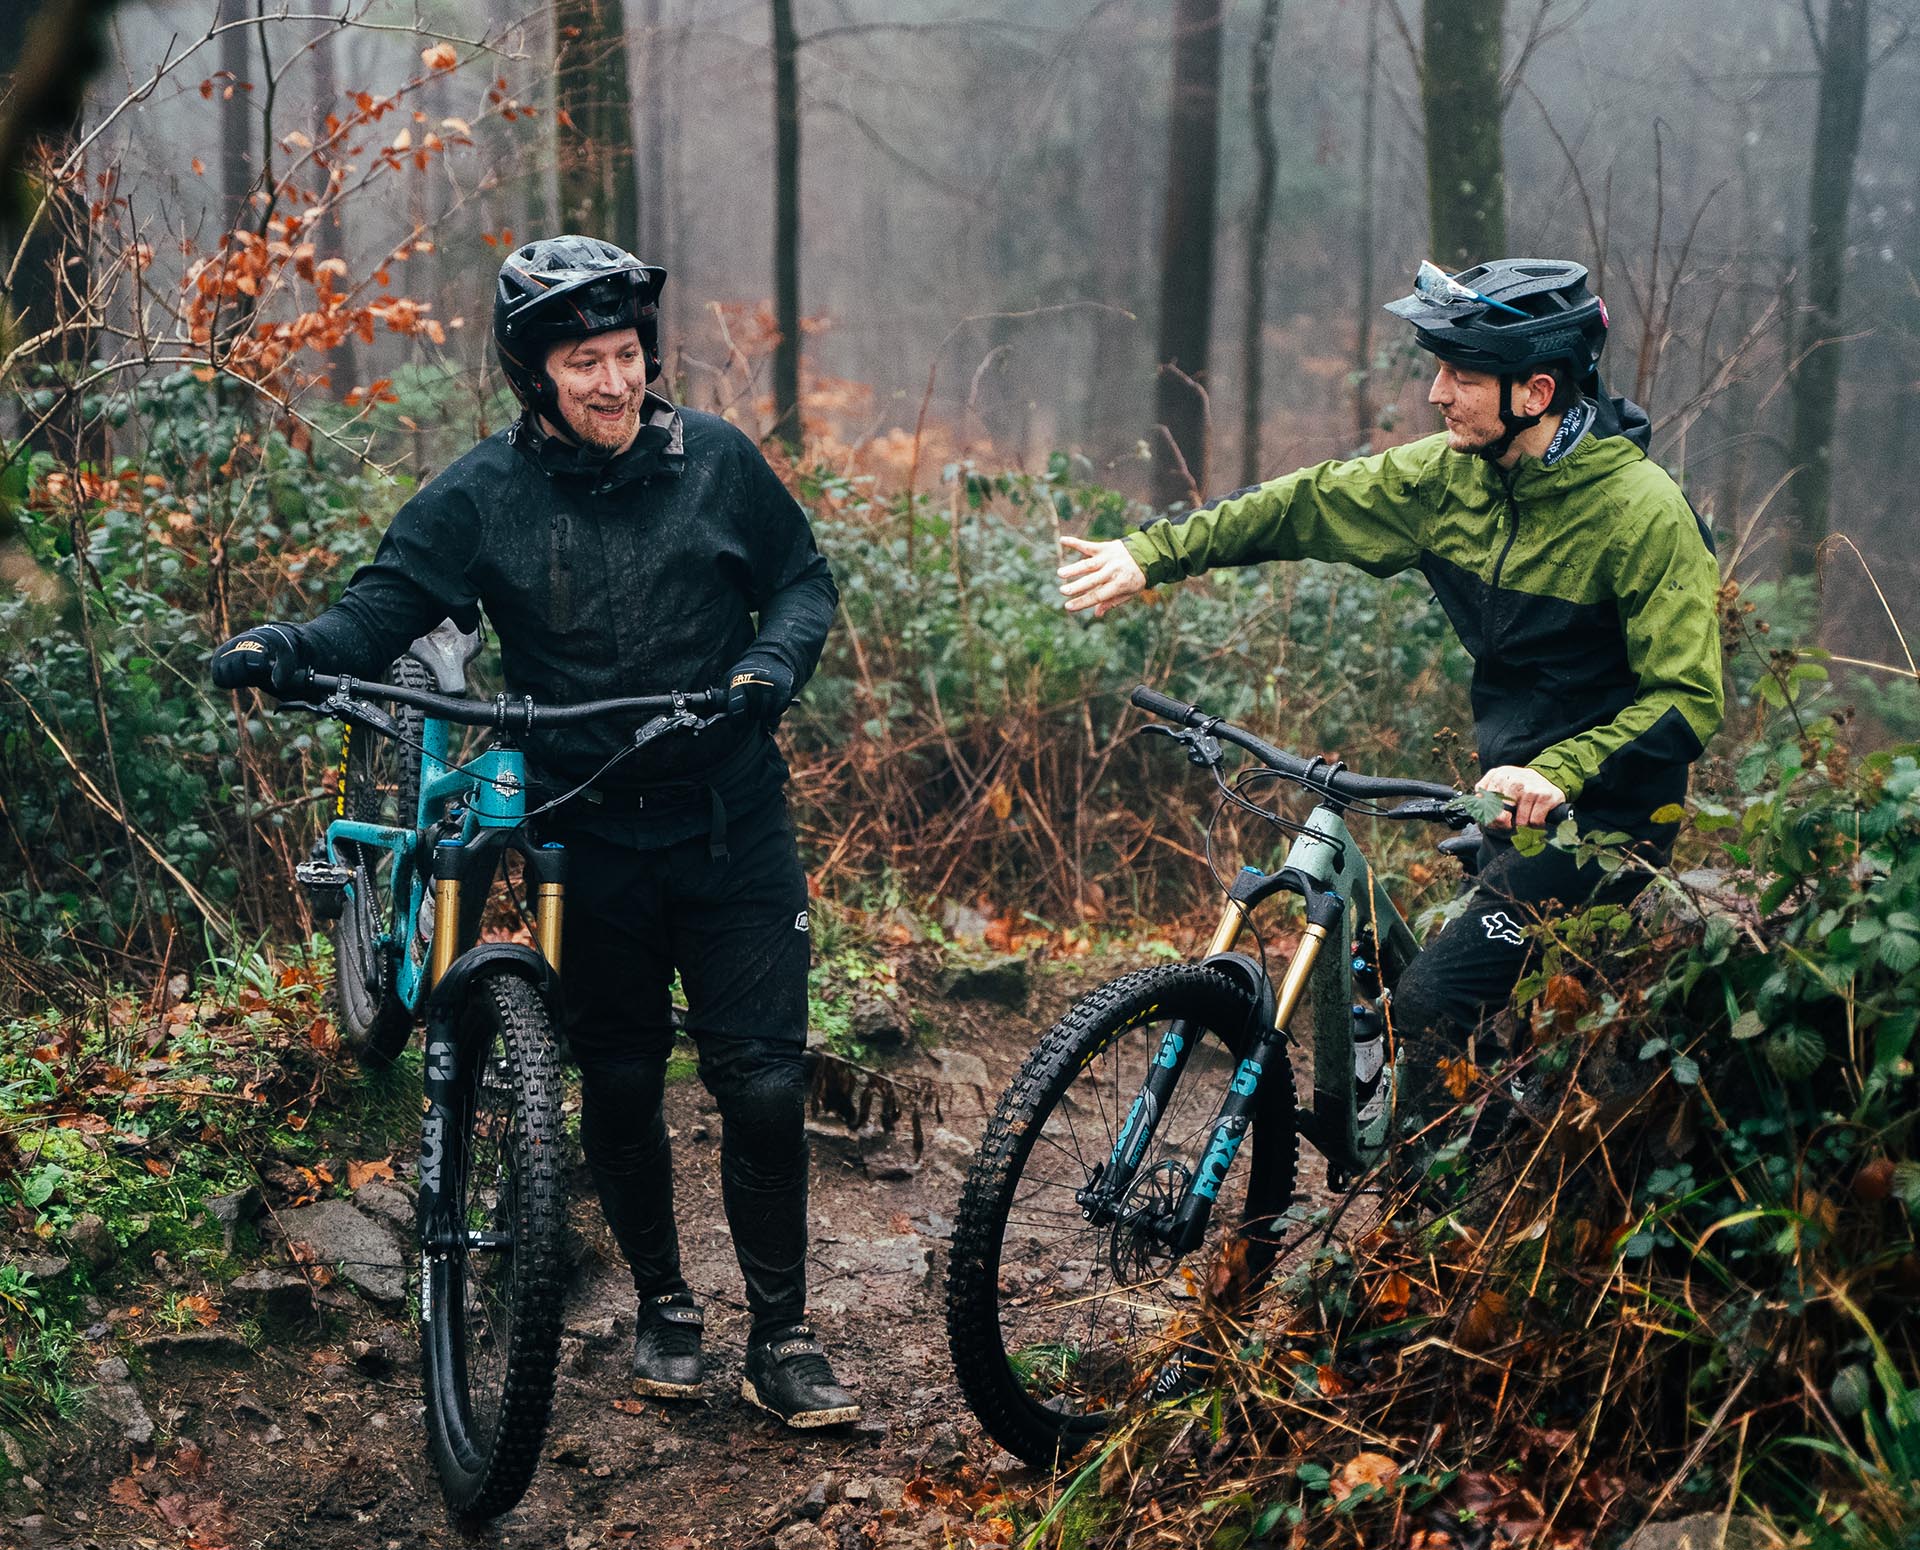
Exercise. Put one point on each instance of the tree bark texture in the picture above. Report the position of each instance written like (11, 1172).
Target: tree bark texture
(1460, 91)
(786, 225)
(1363, 242)
(238, 163)
(1817, 351)
(1186, 252)
(599, 184)
(1266, 152)
(330, 236)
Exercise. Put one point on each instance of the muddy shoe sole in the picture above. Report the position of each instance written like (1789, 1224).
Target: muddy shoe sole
(653, 1388)
(805, 1420)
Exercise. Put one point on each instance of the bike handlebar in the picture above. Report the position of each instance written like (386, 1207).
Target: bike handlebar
(509, 713)
(1325, 776)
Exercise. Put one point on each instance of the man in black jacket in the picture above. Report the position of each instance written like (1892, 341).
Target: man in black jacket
(623, 546)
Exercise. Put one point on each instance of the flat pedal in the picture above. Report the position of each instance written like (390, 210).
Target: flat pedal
(326, 885)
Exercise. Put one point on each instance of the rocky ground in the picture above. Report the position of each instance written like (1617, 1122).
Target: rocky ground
(312, 1437)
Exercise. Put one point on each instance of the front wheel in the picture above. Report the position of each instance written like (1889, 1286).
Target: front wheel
(492, 1237)
(1055, 1321)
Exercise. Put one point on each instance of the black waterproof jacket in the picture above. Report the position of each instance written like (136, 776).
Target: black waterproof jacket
(641, 574)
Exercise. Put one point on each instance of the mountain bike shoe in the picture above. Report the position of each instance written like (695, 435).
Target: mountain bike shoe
(666, 1347)
(787, 1373)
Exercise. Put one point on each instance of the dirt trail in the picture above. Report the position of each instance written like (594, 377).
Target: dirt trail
(315, 1440)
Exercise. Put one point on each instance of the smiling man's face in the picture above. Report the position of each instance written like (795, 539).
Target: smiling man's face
(601, 382)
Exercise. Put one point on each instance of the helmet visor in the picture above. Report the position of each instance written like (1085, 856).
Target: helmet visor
(592, 303)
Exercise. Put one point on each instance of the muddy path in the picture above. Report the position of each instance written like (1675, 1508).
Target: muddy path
(314, 1439)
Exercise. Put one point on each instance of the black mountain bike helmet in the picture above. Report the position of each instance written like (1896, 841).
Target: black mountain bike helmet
(1512, 317)
(564, 288)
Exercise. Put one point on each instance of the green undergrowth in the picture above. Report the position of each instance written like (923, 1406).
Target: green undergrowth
(125, 1118)
(1663, 1258)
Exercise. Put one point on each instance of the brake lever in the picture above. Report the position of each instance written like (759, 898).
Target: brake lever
(674, 721)
(1202, 748)
(342, 706)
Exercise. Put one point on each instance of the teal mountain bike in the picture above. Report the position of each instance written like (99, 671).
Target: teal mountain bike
(405, 867)
(1133, 1176)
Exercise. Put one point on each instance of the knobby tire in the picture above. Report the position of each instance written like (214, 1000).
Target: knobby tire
(490, 1335)
(1023, 1258)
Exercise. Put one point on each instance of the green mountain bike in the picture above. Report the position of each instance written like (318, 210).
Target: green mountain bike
(406, 864)
(1133, 1175)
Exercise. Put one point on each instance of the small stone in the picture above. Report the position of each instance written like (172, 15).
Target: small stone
(16, 1455)
(877, 1022)
(378, 1198)
(801, 1536)
(958, 1068)
(814, 1502)
(117, 1402)
(91, 1242)
(38, 1267)
(602, 1331)
(1004, 1463)
(872, 1429)
(886, 1492)
(30, 1485)
(701, 1131)
(570, 1452)
(998, 981)
(363, 1249)
(379, 1420)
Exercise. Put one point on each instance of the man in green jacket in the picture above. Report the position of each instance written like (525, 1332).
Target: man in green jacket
(1571, 566)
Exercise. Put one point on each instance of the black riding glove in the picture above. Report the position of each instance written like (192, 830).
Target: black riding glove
(268, 657)
(759, 688)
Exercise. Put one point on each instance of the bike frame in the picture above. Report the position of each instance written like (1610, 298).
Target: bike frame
(1327, 870)
(490, 790)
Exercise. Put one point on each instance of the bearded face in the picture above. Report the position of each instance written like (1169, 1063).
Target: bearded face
(601, 382)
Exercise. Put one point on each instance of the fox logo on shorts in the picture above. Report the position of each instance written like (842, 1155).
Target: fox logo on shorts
(800, 921)
(1501, 929)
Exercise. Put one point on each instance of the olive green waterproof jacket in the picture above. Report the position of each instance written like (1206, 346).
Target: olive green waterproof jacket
(1585, 590)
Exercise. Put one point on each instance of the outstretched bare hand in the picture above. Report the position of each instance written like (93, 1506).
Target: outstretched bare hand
(1104, 578)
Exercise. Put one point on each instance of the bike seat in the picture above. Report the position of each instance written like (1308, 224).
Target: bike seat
(446, 649)
(1464, 846)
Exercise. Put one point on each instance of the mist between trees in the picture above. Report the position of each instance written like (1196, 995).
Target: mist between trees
(975, 267)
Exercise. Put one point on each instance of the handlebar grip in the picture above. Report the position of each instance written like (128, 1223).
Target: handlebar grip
(1557, 816)
(1164, 706)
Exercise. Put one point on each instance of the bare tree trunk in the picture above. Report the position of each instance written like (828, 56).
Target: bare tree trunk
(1816, 374)
(593, 113)
(651, 150)
(1461, 92)
(786, 225)
(1259, 227)
(237, 166)
(1363, 339)
(52, 292)
(1186, 252)
(330, 239)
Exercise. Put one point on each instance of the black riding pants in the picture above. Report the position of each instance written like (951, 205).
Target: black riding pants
(1467, 972)
(735, 929)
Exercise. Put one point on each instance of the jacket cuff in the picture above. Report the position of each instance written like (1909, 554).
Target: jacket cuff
(1154, 565)
(1558, 770)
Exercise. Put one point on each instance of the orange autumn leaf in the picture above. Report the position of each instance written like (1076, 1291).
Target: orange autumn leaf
(1374, 1469)
(359, 1173)
(199, 167)
(157, 1168)
(201, 1310)
(440, 56)
(1330, 1381)
(1486, 1322)
(1457, 1074)
(629, 1407)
